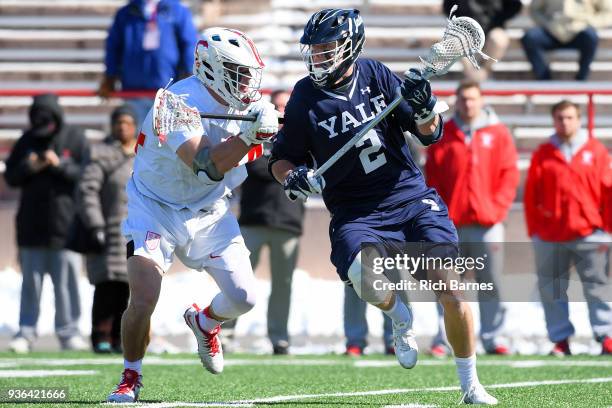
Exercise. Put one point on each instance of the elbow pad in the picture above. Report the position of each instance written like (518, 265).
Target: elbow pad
(204, 168)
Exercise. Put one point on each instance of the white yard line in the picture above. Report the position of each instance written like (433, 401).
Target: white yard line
(410, 406)
(284, 398)
(187, 404)
(513, 364)
(158, 361)
(43, 373)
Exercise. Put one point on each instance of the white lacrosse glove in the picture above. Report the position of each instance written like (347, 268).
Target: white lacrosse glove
(263, 128)
(302, 183)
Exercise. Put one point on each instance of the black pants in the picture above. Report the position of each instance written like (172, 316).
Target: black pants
(109, 303)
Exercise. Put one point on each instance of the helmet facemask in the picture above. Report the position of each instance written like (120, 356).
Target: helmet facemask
(326, 63)
(242, 82)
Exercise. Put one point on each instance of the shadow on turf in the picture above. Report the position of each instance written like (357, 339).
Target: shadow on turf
(71, 402)
(280, 403)
(334, 403)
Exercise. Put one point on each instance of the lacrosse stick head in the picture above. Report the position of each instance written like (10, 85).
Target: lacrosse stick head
(463, 37)
(171, 113)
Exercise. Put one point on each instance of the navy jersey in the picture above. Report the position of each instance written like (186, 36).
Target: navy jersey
(379, 173)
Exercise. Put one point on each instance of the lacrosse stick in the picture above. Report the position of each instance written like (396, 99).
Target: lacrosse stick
(171, 113)
(463, 37)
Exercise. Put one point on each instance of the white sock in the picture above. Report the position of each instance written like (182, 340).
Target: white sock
(466, 370)
(207, 324)
(399, 312)
(133, 365)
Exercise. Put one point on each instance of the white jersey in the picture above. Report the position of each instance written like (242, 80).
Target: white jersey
(161, 175)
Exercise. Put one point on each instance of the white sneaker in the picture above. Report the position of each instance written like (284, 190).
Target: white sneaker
(406, 348)
(20, 345)
(209, 344)
(74, 343)
(478, 395)
(128, 388)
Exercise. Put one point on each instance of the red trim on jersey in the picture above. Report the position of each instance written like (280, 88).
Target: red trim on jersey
(139, 142)
(255, 152)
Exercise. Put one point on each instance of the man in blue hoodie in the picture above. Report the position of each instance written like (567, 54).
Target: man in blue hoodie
(149, 42)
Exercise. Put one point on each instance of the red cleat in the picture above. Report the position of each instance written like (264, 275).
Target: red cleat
(353, 351)
(438, 351)
(128, 388)
(209, 344)
(606, 346)
(499, 350)
(561, 349)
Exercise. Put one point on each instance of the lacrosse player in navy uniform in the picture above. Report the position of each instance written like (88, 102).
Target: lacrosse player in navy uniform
(375, 192)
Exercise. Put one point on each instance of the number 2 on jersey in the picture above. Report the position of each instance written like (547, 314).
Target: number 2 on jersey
(368, 162)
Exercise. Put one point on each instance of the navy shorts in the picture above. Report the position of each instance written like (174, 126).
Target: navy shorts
(422, 220)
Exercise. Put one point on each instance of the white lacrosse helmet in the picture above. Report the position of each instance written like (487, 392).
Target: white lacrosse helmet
(227, 61)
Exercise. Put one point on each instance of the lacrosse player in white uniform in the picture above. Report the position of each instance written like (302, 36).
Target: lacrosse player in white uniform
(177, 200)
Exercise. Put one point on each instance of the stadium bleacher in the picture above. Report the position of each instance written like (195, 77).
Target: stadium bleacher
(60, 46)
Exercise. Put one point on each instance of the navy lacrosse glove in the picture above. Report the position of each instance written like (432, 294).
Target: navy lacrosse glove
(416, 90)
(302, 183)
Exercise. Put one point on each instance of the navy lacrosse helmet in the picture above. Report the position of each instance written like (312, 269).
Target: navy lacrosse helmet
(338, 36)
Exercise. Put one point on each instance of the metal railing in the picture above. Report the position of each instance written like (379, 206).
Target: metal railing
(589, 93)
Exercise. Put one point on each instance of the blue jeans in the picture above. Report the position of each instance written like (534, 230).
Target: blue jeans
(356, 324)
(537, 40)
(63, 266)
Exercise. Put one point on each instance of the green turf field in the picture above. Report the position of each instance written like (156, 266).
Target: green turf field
(314, 381)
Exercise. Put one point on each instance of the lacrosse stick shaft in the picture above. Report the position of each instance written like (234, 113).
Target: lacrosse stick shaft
(348, 145)
(228, 116)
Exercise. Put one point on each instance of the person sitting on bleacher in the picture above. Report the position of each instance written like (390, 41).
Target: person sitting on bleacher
(565, 24)
(492, 15)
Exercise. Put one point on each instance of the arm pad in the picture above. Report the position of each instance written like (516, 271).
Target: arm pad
(204, 168)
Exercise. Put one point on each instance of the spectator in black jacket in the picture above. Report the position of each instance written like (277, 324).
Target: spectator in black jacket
(268, 218)
(492, 15)
(102, 205)
(45, 164)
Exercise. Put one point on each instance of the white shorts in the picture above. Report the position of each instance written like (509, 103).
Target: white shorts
(205, 239)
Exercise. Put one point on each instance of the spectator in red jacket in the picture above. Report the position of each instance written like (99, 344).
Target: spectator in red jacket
(474, 169)
(564, 201)
(607, 209)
